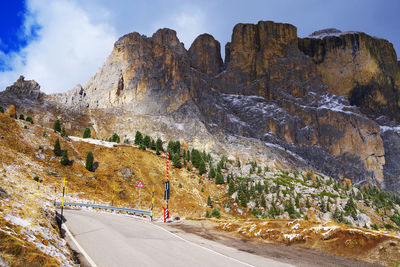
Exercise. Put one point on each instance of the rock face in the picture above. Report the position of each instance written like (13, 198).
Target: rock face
(25, 89)
(361, 67)
(276, 98)
(205, 55)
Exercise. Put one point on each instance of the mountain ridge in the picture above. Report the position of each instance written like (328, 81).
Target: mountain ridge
(274, 92)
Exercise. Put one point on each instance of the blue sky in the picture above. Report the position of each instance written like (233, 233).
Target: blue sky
(60, 43)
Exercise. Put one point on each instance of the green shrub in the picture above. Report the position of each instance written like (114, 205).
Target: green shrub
(87, 133)
(21, 117)
(375, 226)
(89, 161)
(219, 179)
(138, 138)
(29, 119)
(64, 159)
(209, 202)
(57, 126)
(215, 213)
(57, 148)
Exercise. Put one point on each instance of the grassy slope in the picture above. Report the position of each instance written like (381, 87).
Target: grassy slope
(20, 147)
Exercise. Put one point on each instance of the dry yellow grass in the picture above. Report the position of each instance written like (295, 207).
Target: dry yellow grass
(343, 240)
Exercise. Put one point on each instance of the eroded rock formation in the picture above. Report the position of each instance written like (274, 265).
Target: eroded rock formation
(275, 97)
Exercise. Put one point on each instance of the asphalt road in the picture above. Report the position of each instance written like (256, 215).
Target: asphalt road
(119, 240)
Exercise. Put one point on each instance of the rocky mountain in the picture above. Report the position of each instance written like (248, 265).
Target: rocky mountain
(329, 102)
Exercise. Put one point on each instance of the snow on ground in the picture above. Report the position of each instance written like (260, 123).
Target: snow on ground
(93, 141)
(387, 128)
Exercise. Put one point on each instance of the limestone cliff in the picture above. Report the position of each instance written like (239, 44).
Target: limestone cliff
(275, 98)
(361, 67)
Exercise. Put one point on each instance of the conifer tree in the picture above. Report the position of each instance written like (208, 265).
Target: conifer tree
(176, 161)
(209, 202)
(158, 151)
(87, 133)
(153, 145)
(219, 179)
(89, 161)
(63, 132)
(242, 198)
(188, 155)
(115, 138)
(159, 144)
(64, 159)
(11, 112)
(184, 156)
(147, 141)
(263, 201)
(57, 126)
(231, 188)
(196, 158)
(29, 119)
(138, 138)
(57, 148)
(211, 173)
(202, 167)
(21, 117)
(1, 109)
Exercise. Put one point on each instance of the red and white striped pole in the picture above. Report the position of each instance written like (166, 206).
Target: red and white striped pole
(166, 200)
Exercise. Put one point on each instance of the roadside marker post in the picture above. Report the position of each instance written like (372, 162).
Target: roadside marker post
(166, 192)
(140, 186)
(62, 203)
(112, 198)
(152, 204)
(55, 192)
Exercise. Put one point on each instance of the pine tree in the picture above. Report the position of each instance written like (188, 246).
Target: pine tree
(147, 141)
(209, 202)
(231, 188)
(242, 198)
(139, 138)
(202, 167)
(63, 132)
(158, 151)
(171, 147)
(188, 156)
(89, 161)
(158, 144)
(115, 138)
(1, 109)
(21, 117)
(57, 148)
(153, 145)
(87, 133)
(308, 203)
(196, 158)
(57, 126)
(211, 173)
(29, 119)
(64, 159)
(263, 201)
(219, 179)
(11, 112)
(176, 161)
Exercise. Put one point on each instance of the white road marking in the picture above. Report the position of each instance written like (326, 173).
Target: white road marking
(197, 245)
(91, 262)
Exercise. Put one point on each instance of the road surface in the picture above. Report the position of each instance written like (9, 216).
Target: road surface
(119, 240)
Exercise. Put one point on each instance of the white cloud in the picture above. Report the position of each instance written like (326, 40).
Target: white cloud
(67, 50)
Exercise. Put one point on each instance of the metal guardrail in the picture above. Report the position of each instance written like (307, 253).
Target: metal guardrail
(128, 210)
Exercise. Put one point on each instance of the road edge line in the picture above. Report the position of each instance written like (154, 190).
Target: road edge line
(213, 251)
(83, 252)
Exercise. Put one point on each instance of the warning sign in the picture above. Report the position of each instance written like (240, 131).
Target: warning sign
(140, 184)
